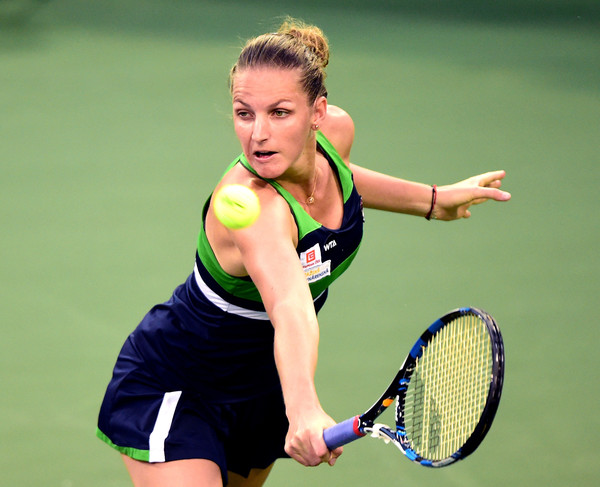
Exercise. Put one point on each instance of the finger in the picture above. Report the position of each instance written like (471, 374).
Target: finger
(313, 452)
(335, 455)
(488, 177)
(496, 183)
(296, 455)
(325, 455)
(482, 194)
(302, 452)
(325, 458)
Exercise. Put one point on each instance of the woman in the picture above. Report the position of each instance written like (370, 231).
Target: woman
(232, 355)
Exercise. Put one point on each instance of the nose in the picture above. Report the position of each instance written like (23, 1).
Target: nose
(260, 129)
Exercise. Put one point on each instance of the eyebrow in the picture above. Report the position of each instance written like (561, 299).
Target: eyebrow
(272, 105)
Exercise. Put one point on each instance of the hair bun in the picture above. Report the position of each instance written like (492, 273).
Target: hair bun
(311, 36)
(294, 46)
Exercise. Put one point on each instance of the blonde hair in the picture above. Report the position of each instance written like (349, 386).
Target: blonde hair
(295, 45)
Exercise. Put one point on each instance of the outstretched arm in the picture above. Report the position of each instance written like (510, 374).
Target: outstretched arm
(388, 193)
(452, 202)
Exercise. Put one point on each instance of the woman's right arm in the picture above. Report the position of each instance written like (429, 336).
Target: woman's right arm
(267, 252)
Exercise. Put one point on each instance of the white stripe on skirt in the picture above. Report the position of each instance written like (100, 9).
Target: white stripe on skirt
(218, 301)
(164, 420)
(226, 306)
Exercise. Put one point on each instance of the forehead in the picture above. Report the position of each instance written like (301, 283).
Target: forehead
(264, 84)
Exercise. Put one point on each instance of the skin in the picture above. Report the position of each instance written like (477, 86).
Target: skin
(276, 126)
(188, 473)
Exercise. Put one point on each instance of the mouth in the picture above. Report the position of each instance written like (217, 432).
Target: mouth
(263, 155)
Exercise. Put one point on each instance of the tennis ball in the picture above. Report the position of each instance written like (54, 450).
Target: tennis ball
(236, 206)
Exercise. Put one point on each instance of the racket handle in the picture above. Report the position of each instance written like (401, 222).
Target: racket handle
(343, 433)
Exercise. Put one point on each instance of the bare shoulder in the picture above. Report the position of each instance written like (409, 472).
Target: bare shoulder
(338, 127)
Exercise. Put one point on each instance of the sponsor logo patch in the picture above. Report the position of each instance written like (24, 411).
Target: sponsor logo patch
(313, 265)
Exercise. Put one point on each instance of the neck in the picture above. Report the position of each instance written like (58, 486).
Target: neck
(303, 186)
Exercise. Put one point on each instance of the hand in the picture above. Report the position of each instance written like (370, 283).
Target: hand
(453, 201)
(304, 441)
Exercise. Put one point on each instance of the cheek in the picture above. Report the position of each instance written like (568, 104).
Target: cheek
(241, 131)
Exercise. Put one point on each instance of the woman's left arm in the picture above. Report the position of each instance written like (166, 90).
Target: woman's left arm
(388, 193)
(383, 192)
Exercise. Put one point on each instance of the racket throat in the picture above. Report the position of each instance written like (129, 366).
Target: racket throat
(381, 431)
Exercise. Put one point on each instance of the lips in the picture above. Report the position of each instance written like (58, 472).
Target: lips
(260, 155)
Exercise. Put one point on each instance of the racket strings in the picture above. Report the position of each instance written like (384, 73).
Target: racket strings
(448, 389)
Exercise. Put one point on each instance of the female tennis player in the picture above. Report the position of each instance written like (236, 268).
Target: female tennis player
(218, 382)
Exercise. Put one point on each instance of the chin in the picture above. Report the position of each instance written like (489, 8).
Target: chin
(268, 169)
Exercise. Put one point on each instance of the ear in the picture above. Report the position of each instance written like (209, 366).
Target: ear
(320, 110)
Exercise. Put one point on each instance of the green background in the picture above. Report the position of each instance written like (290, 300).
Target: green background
(115, 125)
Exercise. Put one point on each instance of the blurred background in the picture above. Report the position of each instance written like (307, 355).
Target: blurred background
(115, 125)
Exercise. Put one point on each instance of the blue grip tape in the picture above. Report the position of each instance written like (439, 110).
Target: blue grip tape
(342, 433)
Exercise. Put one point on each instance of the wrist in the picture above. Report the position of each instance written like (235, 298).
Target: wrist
(301, 399)
(430, 214)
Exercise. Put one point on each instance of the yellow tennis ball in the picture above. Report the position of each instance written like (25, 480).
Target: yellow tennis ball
(236, 206)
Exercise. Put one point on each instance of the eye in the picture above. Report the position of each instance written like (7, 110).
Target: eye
(243, 114)
(279, 113)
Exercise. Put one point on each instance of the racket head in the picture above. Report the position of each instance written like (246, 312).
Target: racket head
(449, 388)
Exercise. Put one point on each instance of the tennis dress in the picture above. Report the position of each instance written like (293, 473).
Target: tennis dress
(198, 376)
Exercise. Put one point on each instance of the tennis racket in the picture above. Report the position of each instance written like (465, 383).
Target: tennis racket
(447, 392)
